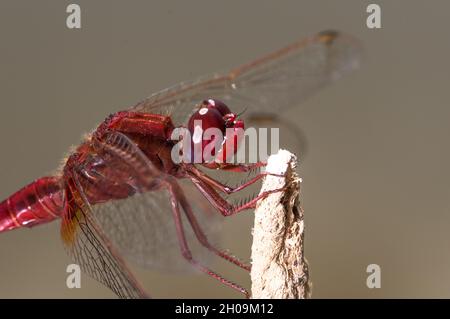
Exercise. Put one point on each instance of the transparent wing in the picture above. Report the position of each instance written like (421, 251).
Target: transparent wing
(90, 248)
(292, 136)
(279, 80)
(143, 229)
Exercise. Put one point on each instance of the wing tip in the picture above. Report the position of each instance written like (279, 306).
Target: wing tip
(328, 36)
(344, 42)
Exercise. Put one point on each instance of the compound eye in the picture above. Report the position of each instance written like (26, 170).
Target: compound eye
(206, 118)
(202, 120)
(218, 105)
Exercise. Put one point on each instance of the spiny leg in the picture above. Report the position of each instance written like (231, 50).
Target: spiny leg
(240, 168)
(223, 187)
(226, 208)
(201, 235)
(185, 251)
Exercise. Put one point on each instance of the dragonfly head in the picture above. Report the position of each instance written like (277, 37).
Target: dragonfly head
(215, 132)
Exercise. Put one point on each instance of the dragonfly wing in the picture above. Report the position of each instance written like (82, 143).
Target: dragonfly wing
(179, 101)
(90, 248)
(143, 229)
(279, 80)
(289, 76)
(292, 137)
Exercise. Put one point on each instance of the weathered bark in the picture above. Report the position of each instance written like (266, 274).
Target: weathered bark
(279, 269)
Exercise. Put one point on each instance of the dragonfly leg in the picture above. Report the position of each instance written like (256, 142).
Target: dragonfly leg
(186, 252)
(224, 206)
(240, 168)
(201, 235)
(226, 188)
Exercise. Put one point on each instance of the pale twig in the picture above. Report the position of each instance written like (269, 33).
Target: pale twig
(279, 269)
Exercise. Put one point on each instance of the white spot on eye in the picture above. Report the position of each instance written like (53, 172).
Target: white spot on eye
(212, 102)
(197, 137)
(203, 111)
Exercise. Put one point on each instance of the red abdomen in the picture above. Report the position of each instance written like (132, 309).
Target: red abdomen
(36, 203)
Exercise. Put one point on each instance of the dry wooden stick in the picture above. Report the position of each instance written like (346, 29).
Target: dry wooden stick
(279, 269)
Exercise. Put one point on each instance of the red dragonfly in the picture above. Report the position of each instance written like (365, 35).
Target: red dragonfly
(118, 189)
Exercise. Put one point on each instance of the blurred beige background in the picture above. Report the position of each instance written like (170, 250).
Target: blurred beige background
(376, 177)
